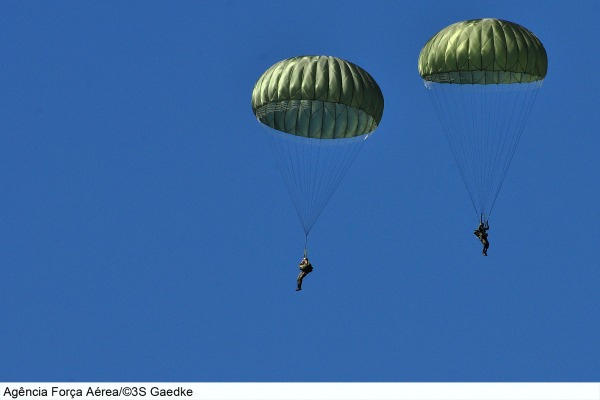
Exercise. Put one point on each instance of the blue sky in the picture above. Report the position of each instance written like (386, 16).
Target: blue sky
(146, 235)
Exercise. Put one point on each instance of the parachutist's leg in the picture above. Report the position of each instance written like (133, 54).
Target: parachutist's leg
(299, 280)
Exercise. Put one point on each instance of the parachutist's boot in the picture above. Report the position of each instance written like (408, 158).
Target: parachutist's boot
(299, 288)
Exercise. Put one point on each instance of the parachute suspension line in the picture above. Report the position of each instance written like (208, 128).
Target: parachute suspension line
(475, 137)
(314, 190)
(313, 168)
(492, 134)
(505, 106)
(499, 119)
(530, 91)
(439, 99)
(333, 161)
(484, 218)
(483, 125)
(306, 246)
(341, 165)
(488, 134)
(338, 162)
(283, 152)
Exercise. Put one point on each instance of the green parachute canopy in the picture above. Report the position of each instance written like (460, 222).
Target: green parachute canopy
(317, 112)
(483, 76)
(318, 97)
(483, 51)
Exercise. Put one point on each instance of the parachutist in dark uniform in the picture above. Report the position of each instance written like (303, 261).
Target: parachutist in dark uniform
(481, 233)
(305, 269)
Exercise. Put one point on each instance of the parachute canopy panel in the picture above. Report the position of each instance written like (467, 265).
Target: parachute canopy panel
(318, 97)
(483, 51)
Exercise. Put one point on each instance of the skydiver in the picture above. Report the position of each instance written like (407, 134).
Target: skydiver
(481, 233)
(305, 268)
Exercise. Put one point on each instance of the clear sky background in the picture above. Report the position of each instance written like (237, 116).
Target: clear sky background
(146, 234)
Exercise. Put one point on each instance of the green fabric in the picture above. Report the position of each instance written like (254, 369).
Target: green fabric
(483, 51)
(318, 97)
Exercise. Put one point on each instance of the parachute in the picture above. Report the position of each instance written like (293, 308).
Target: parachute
(318, 111)
(483, 76)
